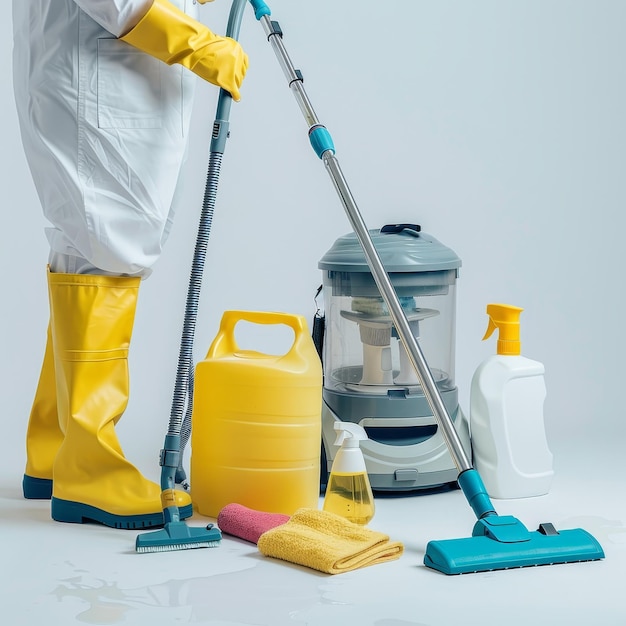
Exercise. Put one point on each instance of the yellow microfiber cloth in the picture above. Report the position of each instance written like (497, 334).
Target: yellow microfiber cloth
(327, 542)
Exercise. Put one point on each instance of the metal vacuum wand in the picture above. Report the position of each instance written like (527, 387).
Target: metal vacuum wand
(323, 145)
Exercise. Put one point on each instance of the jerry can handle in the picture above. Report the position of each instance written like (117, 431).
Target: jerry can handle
(224, 342)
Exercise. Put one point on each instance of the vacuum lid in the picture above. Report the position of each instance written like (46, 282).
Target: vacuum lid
(401, 247)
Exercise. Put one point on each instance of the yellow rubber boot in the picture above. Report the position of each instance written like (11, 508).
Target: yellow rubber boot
(92, 319)
(44, 435)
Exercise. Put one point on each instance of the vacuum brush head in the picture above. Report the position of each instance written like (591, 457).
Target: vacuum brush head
(502, 542)
(178, 536)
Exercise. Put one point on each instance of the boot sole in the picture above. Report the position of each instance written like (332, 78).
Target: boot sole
(78, 513)
(36, 488)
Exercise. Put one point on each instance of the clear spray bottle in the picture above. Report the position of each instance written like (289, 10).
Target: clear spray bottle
(349, 492)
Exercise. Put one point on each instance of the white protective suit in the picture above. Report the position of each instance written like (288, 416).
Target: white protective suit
(104, 128)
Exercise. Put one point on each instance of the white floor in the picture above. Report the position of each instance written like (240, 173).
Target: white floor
(69, 574)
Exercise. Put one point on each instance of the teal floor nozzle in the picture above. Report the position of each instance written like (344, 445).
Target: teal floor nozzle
(178, 536)
(505, 543)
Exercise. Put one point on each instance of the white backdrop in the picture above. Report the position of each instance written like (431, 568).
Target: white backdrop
(496, 125)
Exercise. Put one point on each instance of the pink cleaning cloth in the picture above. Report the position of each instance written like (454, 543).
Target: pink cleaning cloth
(240, 521)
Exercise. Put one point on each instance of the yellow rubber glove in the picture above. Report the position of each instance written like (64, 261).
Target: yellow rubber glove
(204, 1)
(168, 34)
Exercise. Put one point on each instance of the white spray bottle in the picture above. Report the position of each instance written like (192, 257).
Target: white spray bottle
(506, 414)
(349, 492)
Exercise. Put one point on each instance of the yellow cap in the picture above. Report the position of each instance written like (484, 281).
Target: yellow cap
(505, 317)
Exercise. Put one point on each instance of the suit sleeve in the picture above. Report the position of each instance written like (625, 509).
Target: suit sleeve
(116, 16)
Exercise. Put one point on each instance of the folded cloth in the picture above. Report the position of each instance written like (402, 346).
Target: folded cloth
(240, 521)
(327, 542)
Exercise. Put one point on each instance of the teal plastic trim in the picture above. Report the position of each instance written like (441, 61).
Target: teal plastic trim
(504, 528)
(221, 127)
(170, 457)
(172, 444)
(260, 8)
(321, 140)
(36, 488)
(78, 513)
(172, 514)
(472, 485)
(483, 553)
(178, 536)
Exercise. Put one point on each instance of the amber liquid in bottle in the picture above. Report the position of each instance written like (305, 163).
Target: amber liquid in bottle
(350, 495)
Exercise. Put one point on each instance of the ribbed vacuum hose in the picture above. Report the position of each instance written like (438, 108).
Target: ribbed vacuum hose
(185, 433)
(180, 415)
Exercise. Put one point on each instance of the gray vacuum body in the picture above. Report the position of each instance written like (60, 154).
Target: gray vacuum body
(368, 377)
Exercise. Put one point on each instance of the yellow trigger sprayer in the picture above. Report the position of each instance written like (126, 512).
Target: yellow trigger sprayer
(497, 542)
(506, 318)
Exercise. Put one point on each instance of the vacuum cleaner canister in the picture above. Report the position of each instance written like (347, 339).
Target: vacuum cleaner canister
(368, 378)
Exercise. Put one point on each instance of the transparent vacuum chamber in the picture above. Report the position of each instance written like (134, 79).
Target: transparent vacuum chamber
(368, 377)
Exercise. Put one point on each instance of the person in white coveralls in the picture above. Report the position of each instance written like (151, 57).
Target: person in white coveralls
(104, 91)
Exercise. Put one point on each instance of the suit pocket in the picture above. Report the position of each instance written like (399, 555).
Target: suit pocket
(129, 87)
